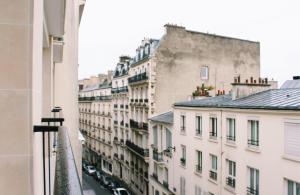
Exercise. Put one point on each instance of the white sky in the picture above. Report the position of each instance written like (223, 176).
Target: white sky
(111, 28)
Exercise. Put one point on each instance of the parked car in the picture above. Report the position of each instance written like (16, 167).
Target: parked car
(97, 176)
(120, 191)
(113, 185)
(91, 170)
(106, 180)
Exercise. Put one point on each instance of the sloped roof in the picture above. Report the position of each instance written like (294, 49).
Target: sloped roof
(166, 117)
(273, 99)
(290, 84)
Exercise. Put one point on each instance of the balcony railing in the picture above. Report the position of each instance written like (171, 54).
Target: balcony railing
(198, 169)
(107, 97)
(119, 90)
(158, 156)
(138, 125)
(137, 149)
(213, 175)
(66, 179)
(230, 138)
(230, 182)
(137, 78)
(252, 191)
(253, 142)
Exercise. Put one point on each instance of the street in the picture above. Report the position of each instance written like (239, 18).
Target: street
(92, 187)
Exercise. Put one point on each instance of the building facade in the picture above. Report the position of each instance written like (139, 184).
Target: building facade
(120, 102)
(230, 145)
(95, 122)
(39, 49)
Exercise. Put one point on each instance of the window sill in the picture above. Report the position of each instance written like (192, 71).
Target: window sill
(184, 167)
(214, 140)
(213, 181)
(198, 137)
(291, 158)
(198, 173)
(182, 133)
(230, 144)
(230, 189)
(253, 149)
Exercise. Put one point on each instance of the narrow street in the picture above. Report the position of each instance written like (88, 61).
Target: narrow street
(92, 187)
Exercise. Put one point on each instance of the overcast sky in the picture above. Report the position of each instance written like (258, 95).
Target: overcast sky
(112, 28)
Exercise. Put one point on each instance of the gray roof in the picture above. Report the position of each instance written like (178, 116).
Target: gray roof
(291, 84)
(166, 117)
(273, 99)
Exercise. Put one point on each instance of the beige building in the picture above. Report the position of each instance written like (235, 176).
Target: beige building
(238, 145)
(38, 52)
(95, 121)
(120, 101)
(182, 64)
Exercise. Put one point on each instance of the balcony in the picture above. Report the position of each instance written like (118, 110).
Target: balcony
(198, 169)
(66, 180)
(138, 125)
(138, 78)
(213, 175)
(230, 182)
(142, 152)
(252, 142)
(251, 191)
(119, 90)
(230, 138)
(157, 156)
(182, 161)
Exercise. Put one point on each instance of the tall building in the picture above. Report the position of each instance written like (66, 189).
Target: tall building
(39, 41)
(95, 121)
(182, 64)
(120, 102)
(233, 144)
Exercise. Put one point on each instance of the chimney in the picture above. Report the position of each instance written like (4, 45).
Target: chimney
(240, 90)
(296, 77)
(173, 28)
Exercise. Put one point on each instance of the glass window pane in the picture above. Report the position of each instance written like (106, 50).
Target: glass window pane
(290, 188)
(297, 189)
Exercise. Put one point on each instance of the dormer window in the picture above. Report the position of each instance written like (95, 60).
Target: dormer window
(141, 53)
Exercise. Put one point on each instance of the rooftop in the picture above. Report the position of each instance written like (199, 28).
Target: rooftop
(290, 84)
(273, 99)
(166, 117)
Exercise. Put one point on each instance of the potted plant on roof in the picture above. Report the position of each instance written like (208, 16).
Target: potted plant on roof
(202, 91)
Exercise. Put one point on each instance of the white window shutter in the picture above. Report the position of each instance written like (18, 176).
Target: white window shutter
(292, 139)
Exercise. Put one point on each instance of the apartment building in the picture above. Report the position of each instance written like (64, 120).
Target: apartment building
(95, 122)
(39, 40)
(182, 64)
(120, 102)
(161, 164)
(243, 143)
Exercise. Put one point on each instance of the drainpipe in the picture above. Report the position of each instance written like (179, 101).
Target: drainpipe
(221, 164)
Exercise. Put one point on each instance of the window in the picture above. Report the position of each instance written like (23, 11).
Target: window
(253, 135)
(214, 167)
(197, 190)
(213, 128)
(230, 129)
(182, 186)
(293, 188)
(183, 155)
(230, 181)
(291, 139)
(168, 139)
(204, 73)
(155, 140)
(198, 161)
(198, 125)
(182, 123)
(253, 188)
